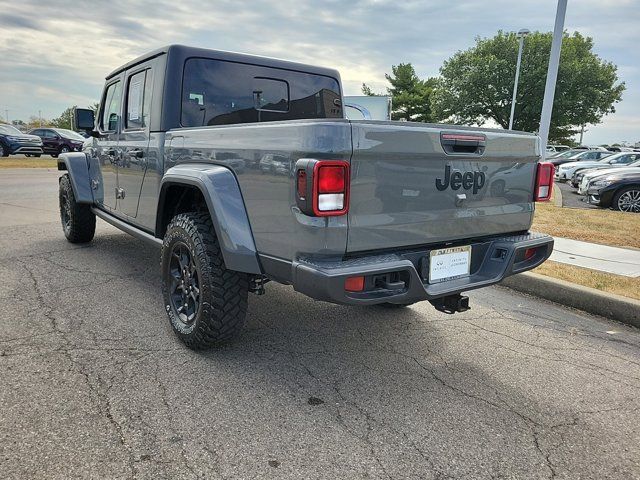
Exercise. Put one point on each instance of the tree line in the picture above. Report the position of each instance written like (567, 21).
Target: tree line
(475, 86)
(63, 121)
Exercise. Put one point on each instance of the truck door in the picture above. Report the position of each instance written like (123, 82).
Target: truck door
(134, 141)
(107, 143)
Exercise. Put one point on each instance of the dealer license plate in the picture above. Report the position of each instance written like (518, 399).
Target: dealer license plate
(449, 263)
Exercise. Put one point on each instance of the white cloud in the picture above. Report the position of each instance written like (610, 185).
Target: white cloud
(60, 56)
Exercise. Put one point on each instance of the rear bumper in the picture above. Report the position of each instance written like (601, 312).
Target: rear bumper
(492, 260)
(21, 148)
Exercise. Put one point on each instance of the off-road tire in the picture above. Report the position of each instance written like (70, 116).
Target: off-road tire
(222, 299)
(631, 195)
(78, 221)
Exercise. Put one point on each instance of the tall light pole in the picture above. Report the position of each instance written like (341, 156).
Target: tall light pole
(521, 34)
(552, 75)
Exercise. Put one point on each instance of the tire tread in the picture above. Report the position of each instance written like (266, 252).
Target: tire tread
(83, 220)
(224, 296)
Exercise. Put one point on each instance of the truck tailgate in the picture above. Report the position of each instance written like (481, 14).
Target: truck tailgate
(407, 190)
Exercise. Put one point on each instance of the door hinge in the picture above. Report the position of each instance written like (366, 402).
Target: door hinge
(119, 192)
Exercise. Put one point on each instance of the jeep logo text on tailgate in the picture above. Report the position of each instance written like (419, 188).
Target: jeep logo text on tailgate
(457, 179)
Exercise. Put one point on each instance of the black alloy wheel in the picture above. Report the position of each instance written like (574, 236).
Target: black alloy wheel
(184, 289)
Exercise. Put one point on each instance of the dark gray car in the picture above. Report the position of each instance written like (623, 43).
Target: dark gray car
(244, 170)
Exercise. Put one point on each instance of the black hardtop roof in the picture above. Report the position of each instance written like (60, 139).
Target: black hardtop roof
(187, 52)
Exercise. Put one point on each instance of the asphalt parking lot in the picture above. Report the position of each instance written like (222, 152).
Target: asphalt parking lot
(570, 197)
(93, 384)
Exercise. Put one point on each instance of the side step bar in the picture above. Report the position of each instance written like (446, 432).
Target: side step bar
(133, 231)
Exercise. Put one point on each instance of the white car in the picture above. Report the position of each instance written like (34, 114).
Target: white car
(592, 176)
(620, 160)
(565, 169)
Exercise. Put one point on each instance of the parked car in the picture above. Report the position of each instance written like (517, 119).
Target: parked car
(620, 191)
(620, 149)
(323, 230)
(590, 147)
(580, 156)
(589, 177)
(13, 141)
(557, 148)
(59, 140)
(618, 160)
(565, 154)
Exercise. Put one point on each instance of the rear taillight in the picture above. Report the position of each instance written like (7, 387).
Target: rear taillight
(544, 182)
(322, 187)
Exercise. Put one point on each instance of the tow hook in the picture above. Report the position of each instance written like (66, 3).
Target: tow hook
(451, 304)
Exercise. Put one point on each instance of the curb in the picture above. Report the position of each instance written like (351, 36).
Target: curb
(557, 195)
(609, 305)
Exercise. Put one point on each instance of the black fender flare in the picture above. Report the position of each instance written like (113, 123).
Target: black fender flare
(77, 165)
(221, 192)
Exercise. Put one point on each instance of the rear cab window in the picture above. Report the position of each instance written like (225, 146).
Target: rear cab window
(217, 92)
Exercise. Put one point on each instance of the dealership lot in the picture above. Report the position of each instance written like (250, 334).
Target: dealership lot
(94, 384)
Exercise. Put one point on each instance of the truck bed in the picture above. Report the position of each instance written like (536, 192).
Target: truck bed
(394, 199)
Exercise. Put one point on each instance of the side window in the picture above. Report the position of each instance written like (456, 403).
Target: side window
(621, 159)
(111, 108)
(139, 100)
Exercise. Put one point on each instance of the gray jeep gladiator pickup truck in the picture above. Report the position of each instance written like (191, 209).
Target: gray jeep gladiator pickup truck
(244, 170)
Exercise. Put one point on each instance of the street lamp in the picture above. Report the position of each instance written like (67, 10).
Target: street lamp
(521, 34)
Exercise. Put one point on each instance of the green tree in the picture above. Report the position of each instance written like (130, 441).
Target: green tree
(411, 96)
(64, 120)
(477, 84)
(366, 89)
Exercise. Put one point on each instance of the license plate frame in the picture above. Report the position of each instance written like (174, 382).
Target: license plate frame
(455, 262)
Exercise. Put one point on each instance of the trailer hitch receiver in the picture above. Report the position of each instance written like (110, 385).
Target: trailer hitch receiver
(451, 304)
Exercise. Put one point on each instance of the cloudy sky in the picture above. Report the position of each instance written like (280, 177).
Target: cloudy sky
(55, 54)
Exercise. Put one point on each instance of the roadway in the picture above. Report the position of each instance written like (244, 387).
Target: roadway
(93, 383)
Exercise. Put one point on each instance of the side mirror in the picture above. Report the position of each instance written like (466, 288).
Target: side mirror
(83, 119)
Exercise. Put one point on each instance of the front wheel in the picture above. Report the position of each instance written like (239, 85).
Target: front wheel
(627, 200)
(78, 221)
(4, 151)
(206, 303)
(64, 149)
